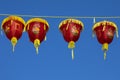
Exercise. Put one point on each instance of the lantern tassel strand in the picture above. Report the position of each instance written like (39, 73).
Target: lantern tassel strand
(14, 42)
(37, 44)
(72, 54)
(71, 45)
(104, 55)
(105, 48)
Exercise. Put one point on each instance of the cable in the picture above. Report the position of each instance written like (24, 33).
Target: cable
(22, 15)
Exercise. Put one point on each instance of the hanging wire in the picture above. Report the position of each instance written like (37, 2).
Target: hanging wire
(22, 15)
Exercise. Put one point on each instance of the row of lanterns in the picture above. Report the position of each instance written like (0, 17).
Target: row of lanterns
(37, 28)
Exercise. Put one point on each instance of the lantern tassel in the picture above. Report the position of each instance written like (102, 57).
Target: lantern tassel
(104, 55)
(71, 45)
(72, 54)
(105, 48)
(14, 42)
(37, 50)
(36, 44)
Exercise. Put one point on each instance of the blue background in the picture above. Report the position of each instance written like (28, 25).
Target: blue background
(54, 60)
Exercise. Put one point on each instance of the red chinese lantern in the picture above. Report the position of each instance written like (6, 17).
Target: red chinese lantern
(104, 31)
(37, 29)
(13, 27)
(70, 29)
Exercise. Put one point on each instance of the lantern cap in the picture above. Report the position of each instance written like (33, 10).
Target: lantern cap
(72, 20)
(103, 23)
(13, 17)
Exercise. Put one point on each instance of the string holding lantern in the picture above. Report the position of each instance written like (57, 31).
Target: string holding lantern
(13, 27)
(37, 29)
(70, 29)
(104, 32)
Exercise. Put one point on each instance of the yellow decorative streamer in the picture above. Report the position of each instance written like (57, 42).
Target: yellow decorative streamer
(14, 42)
(36, 44)
(105, 48)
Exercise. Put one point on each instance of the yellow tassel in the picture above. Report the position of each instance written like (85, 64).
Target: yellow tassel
(105, 48)
(71, 45)
(72, 54)
(14, 42)
(104, 55)
(36, 44)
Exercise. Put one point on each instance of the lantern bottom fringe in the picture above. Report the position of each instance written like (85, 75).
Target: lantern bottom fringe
(14, 42)
(36, 44)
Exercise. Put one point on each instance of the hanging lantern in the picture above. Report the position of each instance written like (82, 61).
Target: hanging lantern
(13, 27)
(70, 29)
(37, 29)
(104, 31)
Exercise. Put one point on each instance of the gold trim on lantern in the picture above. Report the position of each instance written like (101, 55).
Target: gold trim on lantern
(72, 20)
(13, 18)
(38, 20)
(103, 23)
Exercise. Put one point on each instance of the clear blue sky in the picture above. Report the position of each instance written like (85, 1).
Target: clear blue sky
(54, 60)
